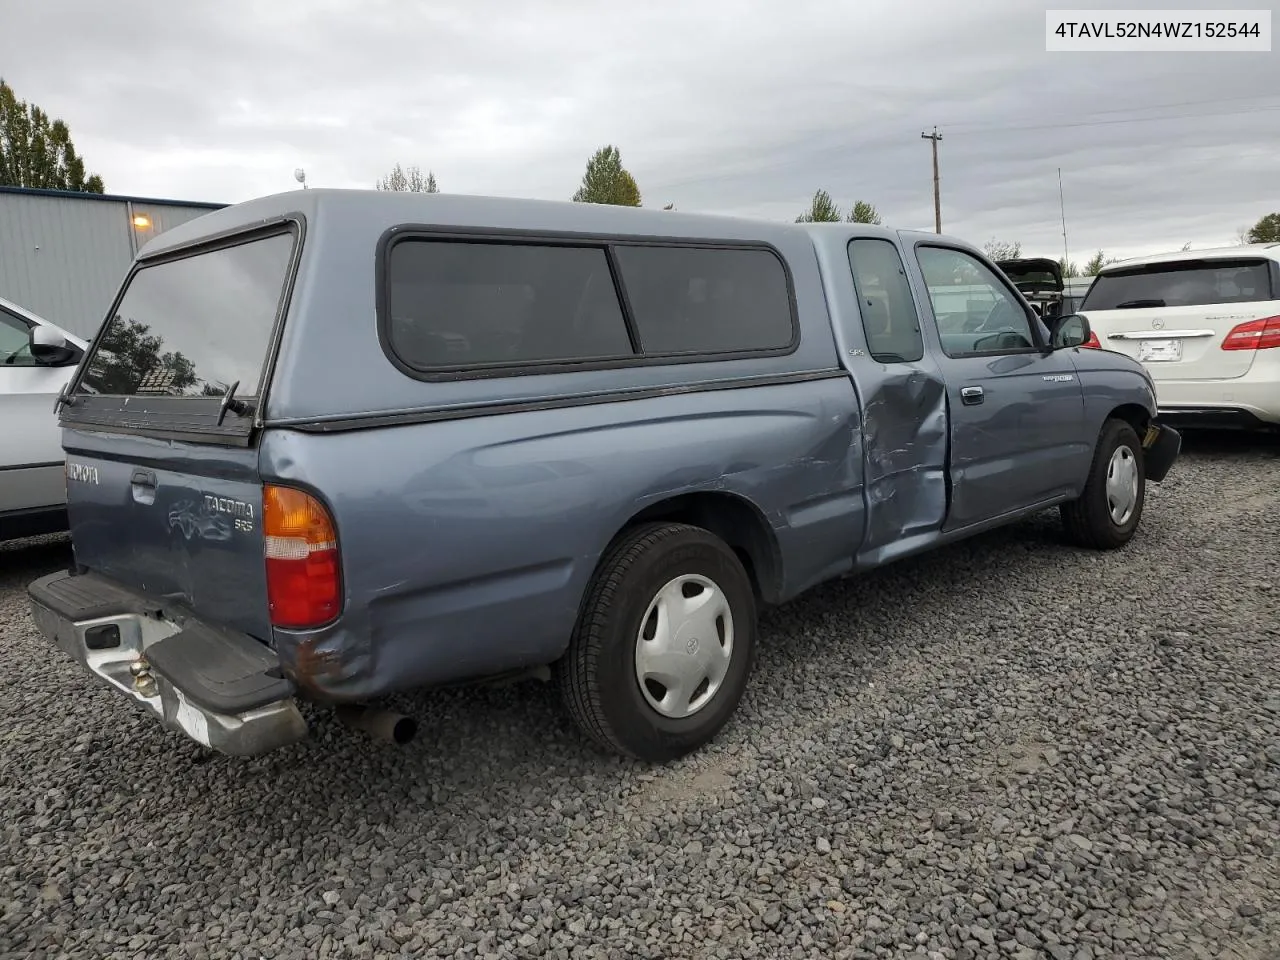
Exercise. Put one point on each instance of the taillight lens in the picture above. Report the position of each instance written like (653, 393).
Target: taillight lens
(304, 585)
(1260, 334)
(1093, 343)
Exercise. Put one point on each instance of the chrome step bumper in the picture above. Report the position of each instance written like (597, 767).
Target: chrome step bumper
(223, 689)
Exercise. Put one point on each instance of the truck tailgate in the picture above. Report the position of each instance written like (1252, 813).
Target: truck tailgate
(179, 522)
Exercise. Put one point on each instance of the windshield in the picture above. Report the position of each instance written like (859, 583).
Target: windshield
(195, 326)
(1193, 283)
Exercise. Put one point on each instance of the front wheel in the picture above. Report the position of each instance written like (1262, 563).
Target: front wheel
(1107, 513)
(664, 643)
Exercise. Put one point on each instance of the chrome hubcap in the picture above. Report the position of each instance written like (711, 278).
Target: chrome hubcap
(1122, 485)
(684, 646)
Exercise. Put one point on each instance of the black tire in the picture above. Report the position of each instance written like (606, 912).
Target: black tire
(1088, 520)
(597, 674)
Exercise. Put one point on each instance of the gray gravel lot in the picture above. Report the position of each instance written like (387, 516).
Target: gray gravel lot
(1009, 748)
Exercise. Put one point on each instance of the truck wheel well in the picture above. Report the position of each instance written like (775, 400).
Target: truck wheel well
(737, 522)
(1134, 415)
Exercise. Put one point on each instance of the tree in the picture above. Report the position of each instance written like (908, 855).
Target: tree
(130, 353)
(409, 181)
(36, 151)
(1266, 230)
(1096, 263)
(821, 210)
(864, 212)
(1069, 268)
(607, 181)
(1002, 249)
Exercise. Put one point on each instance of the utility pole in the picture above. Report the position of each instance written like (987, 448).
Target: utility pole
(1062, 205)
(937, 200)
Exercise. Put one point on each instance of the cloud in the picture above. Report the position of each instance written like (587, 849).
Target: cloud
(741, 107)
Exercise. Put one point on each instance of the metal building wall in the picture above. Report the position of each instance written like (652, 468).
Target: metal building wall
(63, 255)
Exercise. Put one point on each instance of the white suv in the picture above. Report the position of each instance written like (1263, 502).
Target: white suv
(36, 361)
(1205, 324)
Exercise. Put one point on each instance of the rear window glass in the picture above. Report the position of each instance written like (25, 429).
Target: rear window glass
(195, 326)
(466, 304)
(1188, 284)
(1030, 277)
(702, 300)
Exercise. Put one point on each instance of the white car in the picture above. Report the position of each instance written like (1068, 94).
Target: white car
(1205, 324)
(37, 358)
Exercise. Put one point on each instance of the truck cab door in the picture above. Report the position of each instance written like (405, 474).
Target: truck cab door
(1016, 408)
(902, 397)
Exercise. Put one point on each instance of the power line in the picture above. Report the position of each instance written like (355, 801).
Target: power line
(1150, 106)
(848, 143)
(1105, 123)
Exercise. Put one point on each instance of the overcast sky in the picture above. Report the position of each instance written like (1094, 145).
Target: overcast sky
(728, 106)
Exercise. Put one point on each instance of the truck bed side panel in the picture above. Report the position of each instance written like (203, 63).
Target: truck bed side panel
(476, 537)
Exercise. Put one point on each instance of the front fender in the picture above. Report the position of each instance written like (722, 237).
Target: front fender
(1112, 382)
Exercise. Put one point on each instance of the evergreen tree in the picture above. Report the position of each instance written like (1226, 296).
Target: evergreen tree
(608, 181)
(36, 151)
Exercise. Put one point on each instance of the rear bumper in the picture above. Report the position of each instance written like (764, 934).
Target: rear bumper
(1217, 418)
(34, 522)
(1160, 448)
(221, 688)
(1251, 402)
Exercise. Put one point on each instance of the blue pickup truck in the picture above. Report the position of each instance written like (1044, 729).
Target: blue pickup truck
(332, 445)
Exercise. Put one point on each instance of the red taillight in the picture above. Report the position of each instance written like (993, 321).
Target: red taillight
(304, 584)
(1093, 343)
(1260, 334)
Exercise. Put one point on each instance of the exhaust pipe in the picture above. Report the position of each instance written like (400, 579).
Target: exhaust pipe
(385, 725)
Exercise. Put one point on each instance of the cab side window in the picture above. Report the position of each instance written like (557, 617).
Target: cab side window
(976, 313)
(889, 316)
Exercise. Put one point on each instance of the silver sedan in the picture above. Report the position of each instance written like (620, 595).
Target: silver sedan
(37, 359)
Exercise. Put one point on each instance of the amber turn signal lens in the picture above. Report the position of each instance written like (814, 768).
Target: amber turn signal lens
(304, 584)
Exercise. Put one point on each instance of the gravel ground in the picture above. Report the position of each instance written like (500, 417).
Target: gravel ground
(1008, 748)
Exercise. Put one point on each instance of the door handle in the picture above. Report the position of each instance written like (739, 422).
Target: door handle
(971, 395)
(143, 486)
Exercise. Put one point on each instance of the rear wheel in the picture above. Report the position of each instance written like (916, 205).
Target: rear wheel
(664, 643)
(1108, 511)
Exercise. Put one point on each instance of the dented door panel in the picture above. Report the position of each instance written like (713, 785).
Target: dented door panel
(904, 422)
(902, 397)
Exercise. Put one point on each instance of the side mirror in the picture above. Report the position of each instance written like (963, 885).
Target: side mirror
(50, 347)
(1069, 331)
